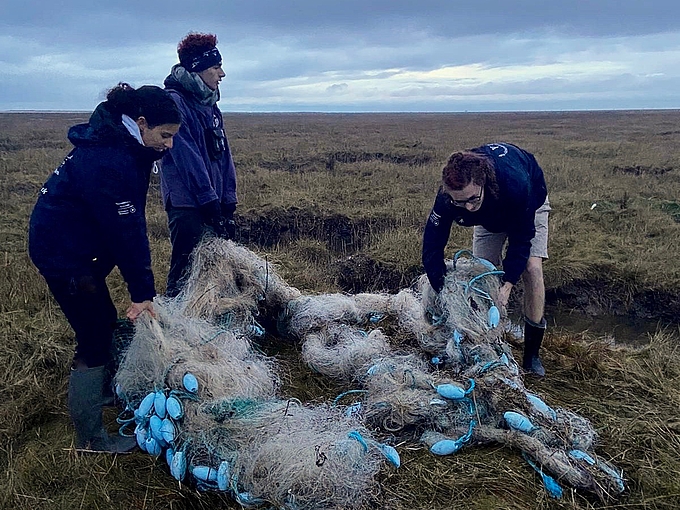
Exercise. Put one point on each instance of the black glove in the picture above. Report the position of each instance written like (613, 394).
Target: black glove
(228, 210)
(211, 214)
(230, 229)
(228, 217)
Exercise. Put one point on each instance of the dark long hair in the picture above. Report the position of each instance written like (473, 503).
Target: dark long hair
(151, 102)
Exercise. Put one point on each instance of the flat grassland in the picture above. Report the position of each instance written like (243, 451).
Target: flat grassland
(338, 202)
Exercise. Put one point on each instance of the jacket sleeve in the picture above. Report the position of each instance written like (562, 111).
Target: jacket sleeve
(519, 247)
(435, 237)
(228, 195)
(116, 196)
(190, 156)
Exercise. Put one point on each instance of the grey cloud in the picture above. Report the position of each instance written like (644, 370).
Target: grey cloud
(269, 46)
(337, 87)
(317, 20)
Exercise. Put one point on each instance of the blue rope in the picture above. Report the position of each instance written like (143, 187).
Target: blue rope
(355, 435)
(471, 284)
(549, 482)
(344, 394)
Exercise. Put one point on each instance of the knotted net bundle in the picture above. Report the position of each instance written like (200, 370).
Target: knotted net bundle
(423, 366)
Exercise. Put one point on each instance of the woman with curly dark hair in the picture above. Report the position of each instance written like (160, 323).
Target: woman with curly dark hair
(90, 218)
(198, 177)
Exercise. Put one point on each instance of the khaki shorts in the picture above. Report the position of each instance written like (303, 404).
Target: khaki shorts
(489, 245)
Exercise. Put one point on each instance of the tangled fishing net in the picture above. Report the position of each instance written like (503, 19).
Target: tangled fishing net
(423, 366)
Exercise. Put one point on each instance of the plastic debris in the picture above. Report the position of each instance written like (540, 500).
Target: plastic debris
(518, 421)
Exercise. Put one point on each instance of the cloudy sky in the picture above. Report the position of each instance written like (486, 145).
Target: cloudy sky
(352, 55)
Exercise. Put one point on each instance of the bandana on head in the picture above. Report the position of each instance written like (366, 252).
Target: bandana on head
(203, 61)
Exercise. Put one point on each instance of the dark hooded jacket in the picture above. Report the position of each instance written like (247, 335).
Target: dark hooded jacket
(192, 175)
(93, 207)
(521, 191)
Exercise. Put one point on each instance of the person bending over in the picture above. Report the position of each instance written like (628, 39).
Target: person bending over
(499, 189)
(89, 218)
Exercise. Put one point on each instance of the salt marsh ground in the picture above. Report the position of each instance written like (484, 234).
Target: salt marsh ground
(338, 202)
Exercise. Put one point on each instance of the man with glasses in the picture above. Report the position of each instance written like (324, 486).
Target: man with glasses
(499, 189)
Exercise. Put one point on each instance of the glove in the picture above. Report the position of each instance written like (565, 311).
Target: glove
(211, 214)
(230, 229)
(228, 217)
(228, 210)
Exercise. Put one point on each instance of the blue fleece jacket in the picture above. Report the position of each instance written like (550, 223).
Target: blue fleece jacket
(521, 191)
(189, 176)
(93, 207)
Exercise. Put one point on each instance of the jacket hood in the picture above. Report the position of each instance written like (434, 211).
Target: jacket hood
(106, 128)
(173, 83)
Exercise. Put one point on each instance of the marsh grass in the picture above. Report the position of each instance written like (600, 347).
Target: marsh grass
(338, 203)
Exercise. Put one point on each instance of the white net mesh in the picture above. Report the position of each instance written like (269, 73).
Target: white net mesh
(423, 366)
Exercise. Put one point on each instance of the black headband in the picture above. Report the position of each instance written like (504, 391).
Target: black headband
(203, 61)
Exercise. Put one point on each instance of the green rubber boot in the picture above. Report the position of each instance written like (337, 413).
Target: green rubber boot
(85, 401)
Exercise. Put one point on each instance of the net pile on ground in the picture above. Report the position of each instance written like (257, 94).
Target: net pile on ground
(199, 394)
(429, 367)
(451, 379)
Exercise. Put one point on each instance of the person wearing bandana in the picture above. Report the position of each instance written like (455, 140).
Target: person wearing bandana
(198, 177)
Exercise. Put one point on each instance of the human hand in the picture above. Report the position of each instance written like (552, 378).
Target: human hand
(228, 209)
(228, 219)
(212, 216)
(211, 212)
(229, 229)
(136, 309)
(504, 295)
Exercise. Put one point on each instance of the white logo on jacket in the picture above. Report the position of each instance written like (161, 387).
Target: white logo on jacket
(125, 208)
(497, 146)
(70, 156)
(434, 218)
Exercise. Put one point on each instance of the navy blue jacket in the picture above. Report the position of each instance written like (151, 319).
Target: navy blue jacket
(521, 191)
(189, 176)
(93, 207)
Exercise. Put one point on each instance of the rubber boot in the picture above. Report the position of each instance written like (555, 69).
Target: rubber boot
(85, 408)
(533, 337)
(108, 395)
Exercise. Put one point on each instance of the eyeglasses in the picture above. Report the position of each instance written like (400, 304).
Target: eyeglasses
(473, 200)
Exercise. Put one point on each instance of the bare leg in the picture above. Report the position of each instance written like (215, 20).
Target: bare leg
(534, 290)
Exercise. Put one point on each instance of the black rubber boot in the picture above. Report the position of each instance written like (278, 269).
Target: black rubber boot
(85, 407)
(108, 398)
(533, 337)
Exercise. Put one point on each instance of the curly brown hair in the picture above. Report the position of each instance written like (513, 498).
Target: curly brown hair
(194, 44)
(465, 167)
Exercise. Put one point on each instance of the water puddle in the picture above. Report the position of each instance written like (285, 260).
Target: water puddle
(621, 329)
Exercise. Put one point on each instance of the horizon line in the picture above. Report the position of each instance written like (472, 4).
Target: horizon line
(334, 112)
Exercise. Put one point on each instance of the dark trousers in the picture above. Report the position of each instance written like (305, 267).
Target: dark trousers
(186, 231)
(87, 305)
